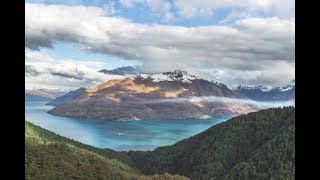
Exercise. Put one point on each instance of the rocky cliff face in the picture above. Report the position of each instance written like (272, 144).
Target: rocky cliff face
(160, 96)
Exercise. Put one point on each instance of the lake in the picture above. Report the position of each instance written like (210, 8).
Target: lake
(121, 136)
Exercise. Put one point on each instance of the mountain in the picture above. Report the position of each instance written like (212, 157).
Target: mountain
(42, 94)
(125, 70)
(170, 95)
(50, 156)
(259, 145)
(261, 93)
(67, 97)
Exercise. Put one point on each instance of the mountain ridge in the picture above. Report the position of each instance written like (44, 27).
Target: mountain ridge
(261, 93)
(124, 99)
(66, 97)
(42, 94)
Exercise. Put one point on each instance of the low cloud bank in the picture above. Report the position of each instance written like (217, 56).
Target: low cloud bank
(196, 99)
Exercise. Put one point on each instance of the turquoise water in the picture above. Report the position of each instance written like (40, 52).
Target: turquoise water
(122, 136)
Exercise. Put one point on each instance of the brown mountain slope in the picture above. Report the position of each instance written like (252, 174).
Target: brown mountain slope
(145, 98)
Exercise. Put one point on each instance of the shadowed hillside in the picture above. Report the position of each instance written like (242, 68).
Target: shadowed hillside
(259, 145)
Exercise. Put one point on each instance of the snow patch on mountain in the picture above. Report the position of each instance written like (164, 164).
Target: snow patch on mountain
(289, 87)
(263, 88)
(286, 88)
(176, 75)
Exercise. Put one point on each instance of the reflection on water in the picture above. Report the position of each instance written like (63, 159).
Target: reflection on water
(123, 136)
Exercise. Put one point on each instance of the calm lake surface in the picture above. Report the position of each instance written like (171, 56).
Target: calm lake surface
(121, 136)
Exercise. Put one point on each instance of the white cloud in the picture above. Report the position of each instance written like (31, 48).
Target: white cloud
(130, 3)
(76, 71)
(48, 81)
(167, 16)
(160, 6)
(192, 9)
(253, 45)
(110, 9)
(71, 69)
(64, 73)
(276, 73)
(205, 8)
(37, 56)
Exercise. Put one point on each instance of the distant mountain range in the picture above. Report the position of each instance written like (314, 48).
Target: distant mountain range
(260, 93)
(259, 145)
(42, 94)
(67, 97)
(151, 97)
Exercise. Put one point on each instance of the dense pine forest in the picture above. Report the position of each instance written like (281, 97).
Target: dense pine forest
(50, 156)
(259, 145)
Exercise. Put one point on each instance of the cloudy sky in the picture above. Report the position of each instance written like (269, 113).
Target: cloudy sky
(247, 42)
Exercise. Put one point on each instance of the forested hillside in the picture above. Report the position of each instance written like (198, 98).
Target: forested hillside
(255, 146)
(50, 156)
(259, 145)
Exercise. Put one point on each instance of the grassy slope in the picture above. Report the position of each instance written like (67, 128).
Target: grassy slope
(38, 134)
(50, 156)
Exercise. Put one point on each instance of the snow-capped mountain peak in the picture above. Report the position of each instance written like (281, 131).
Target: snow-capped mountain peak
(262, 93)
(288, 87)
(176, 75)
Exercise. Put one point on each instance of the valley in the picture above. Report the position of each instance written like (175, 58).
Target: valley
(258, 145)
(142, 112)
